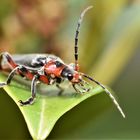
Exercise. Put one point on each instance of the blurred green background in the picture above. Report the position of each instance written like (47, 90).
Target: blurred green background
(108, 50)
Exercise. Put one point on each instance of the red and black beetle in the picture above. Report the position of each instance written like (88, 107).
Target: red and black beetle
(50, 69)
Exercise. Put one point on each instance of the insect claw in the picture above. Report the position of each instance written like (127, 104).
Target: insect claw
(21, 102)
(28, 102)
(3, 84)
(88, 89)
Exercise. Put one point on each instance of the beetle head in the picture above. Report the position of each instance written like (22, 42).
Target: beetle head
(70, 73)
(75, 78)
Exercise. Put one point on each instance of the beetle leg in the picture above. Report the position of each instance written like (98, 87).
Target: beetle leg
(76, 89)
(33, 91)
(10, 77)
(20, 70)
(83, 88)
(61, 89)
(8, 58)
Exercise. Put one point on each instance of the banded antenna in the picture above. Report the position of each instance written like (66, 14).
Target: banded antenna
(76, 37)
(108, 92)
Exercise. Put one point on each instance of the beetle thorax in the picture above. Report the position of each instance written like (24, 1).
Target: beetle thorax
(54, 68)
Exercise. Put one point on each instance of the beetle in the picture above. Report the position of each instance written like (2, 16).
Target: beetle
(50, 69)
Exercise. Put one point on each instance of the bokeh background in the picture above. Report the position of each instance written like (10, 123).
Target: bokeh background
(108, 50)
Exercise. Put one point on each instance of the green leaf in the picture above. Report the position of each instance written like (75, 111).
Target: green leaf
(48, 107)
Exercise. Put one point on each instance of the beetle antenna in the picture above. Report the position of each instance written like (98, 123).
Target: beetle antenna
(108, 92)
(76, 36)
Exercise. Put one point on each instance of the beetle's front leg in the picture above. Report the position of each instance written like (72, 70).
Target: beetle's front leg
(33, 91)
(81, 90)
(61, 89)
(77, 90)
(58, 81)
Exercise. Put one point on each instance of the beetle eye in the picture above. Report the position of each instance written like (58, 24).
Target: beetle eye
(70, 76)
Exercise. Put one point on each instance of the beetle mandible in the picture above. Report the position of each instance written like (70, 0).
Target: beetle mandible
(50, 69)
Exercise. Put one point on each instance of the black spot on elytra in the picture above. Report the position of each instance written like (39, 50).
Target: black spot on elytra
(58, 64)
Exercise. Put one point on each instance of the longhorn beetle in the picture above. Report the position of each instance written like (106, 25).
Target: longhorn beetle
(50, 69)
